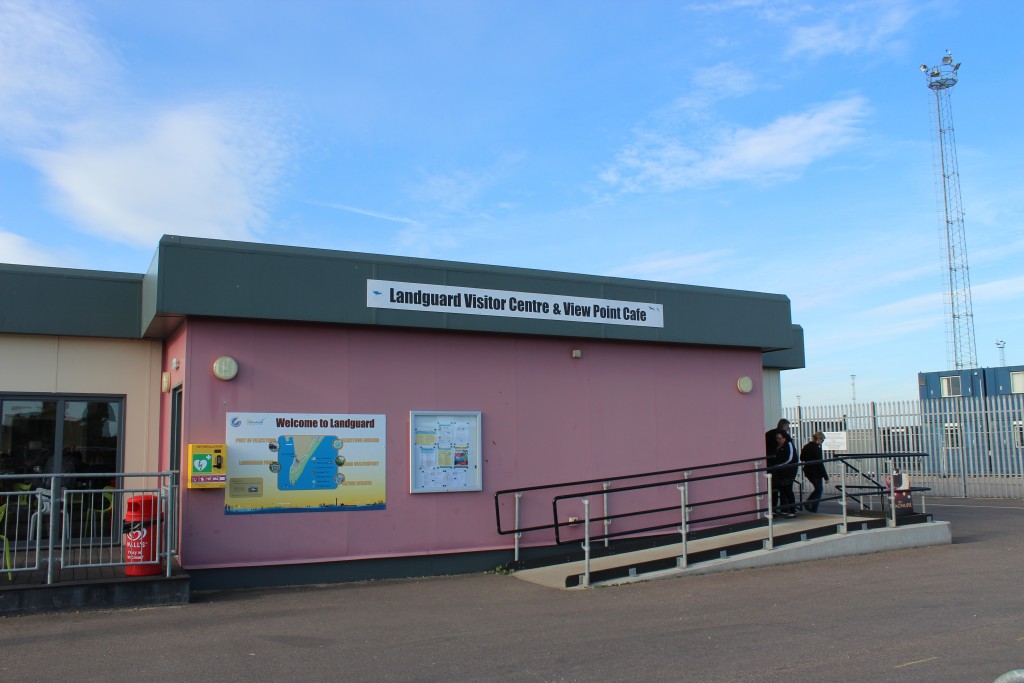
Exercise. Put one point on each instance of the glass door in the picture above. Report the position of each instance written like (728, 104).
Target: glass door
(77, 439)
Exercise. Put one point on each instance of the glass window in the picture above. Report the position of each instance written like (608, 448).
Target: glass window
(953, 435)
(88, 441)
(71, 442)
(28, 430)
(91, 434)
(896, 439)
(1017, 382)
(951, 386)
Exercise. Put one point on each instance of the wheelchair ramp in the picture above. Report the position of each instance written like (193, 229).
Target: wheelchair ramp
(805, 538)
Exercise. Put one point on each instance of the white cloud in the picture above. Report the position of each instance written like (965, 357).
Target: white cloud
(671, 268)
(1004, 250)
(427, 242)
(713, 84)
(196, 170)
(50, 65)
(916, 305)
(788, 144)
(821, 39)
(858, 28)
(451, 192)
(16, 249)
(367, 212)
(999, 290)
(770, 10)
(777, 151)
(905, 321)
(458, 191)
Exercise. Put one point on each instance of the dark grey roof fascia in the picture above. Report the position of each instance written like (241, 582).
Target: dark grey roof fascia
(203, 277)
(787, 359)
(69, 302)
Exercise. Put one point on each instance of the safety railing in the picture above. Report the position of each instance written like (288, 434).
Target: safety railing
(846, 492)
(975, 444)
(750, 466)
(54, 523)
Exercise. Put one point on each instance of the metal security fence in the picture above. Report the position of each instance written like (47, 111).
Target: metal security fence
(53, 524)
(975, 445)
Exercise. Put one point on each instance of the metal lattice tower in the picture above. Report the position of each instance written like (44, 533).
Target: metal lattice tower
(960, 346)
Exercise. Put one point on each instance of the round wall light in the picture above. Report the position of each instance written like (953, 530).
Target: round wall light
(745, 384)
(225, 368)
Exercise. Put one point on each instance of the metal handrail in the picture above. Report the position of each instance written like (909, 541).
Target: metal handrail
(686, 506)
(541, 487)
(557, 525)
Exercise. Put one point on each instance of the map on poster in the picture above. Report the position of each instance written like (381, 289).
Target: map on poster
(284, 462)
(444, 451)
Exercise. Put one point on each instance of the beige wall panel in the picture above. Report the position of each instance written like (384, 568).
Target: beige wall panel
(75, 365)
(27, 363)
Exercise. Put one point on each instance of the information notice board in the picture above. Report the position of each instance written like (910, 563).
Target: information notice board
(444, 451)
(834, 441)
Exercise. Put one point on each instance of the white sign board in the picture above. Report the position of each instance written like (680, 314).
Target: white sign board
(834, 441)
(412, 296)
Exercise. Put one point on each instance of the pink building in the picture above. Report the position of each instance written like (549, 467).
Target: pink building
(370, 407)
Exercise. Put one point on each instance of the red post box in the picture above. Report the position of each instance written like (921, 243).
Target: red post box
(142, 531)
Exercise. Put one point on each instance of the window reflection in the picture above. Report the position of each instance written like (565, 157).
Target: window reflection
(27, 436)
(89, 444)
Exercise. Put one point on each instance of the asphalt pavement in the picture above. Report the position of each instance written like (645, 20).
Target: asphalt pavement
(941, 613)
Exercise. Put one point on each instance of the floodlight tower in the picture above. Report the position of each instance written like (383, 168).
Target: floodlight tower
(960, 347)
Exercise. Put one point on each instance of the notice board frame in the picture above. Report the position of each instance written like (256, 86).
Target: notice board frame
(439, 442)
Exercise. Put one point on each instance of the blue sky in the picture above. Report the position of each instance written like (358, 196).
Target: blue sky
(780, 146)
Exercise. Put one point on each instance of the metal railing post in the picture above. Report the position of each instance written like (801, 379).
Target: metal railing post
(518, 534)
(891, 522)
(845, 501)
(771, 513)
(175, 515)
(168, 525)
(683, 527)
(757, 487)
(586, 543)
(55, 514)
(607, 522)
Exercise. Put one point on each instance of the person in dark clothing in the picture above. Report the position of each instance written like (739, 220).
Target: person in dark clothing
(769, 437)
(770, 448)
(786, 460)
(814, 470)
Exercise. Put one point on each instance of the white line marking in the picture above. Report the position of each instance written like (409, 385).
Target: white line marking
(920, 661)
(990, 507)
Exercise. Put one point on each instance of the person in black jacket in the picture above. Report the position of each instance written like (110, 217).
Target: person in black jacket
(769, 437)
(786, 459)
(772, 458)
(814, 471)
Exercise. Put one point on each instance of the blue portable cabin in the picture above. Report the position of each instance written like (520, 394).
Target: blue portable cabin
(958, 412)
(974, 382)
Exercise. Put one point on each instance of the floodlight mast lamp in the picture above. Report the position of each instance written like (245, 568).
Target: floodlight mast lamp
(961, 352)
